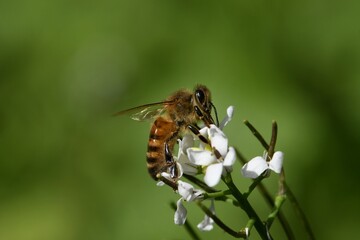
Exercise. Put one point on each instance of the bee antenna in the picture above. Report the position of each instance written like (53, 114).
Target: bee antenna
(216, 115)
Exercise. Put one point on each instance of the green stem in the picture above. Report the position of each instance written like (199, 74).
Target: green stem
(279, 200)
(217, 194)
(245, 205)
(210, 190)
(250, 224)
(271, 148)
(256, 134)
(255, 183)
(221, 224)
(232, 201)
(300, 213)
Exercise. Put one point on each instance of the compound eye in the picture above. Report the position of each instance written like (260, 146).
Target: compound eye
(200, 96)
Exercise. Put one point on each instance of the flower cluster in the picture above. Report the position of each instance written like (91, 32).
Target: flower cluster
(214, 159)
(188, 193)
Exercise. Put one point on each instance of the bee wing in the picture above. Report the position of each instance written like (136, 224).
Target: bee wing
(145, 112)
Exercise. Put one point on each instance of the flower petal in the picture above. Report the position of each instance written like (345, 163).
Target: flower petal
(185, 166)
(180, 170)
(180, 213)
(200, 157)
(276, 162)
(218, 140)
(230, 157)
(166, 175)
(198, 194)
(160, 183)
(204, 131)
(186, 142)
(254, 168)
(186, 190)
(227, 119)
(247, 233)
(213, 174)
(188, 168)
(207, 223)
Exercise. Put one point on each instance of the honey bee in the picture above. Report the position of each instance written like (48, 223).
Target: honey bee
(180, 111)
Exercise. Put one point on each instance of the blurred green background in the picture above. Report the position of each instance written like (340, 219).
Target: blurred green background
(68, 170)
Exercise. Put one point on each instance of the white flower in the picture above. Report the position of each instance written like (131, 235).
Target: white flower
(216, 158)
(180, 213)
(207, 158)
(207, 223)
(187, 193)
(182, 159)
(227, 119)
(256, 166)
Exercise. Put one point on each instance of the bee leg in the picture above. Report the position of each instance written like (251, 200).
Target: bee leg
(169, 182)
(174, 173)
(196, 131)
(168, 155)
(206, 119)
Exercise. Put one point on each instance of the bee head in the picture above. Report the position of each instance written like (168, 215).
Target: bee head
(203, 105)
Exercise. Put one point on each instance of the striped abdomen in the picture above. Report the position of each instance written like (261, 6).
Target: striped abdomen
(162, 132)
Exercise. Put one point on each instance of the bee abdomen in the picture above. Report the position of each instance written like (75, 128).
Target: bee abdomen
(152, 148)
(153, 157)
(155, 136)
(163, 132)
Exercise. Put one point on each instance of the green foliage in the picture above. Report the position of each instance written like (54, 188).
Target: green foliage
(68, 170)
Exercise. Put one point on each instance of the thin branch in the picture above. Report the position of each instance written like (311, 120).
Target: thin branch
(245, 205)
(217, 195)
(257, 134)
(271, 148)
(282, 184)
(221, 224)
(255, 183)
(240, 157)
(210, 190)
(300, 212)
(279, 200)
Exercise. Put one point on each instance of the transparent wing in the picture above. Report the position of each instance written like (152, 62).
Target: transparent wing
(145, 112)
